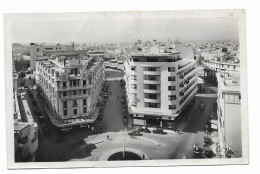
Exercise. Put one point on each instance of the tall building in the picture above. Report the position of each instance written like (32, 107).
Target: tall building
(229, 112)
(38, 49)
(159, 83)
(70, 86)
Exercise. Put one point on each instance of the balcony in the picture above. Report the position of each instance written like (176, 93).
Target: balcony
(152, 91)
(152, 72)
(152, 81)
(148, 100)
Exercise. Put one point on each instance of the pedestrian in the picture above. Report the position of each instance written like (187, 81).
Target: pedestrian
(143, 156)
(116, 80)
(92, 128)
(108, 137)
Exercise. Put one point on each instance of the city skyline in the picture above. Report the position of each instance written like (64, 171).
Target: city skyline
(125, 30)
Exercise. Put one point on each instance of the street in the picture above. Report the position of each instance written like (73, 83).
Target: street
(83, 144)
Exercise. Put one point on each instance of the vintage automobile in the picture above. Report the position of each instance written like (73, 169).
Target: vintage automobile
(159, 131)
(202, 106)
(135, 133)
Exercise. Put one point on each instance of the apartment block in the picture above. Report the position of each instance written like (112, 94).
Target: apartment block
(159, 84)
(229, 112)
(70, 85)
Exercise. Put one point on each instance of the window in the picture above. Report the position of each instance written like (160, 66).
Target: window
(84, 101)
(75, 103)
(152, 105)
(74, 82)
(84, 91)
(171, 69)
(172, 97)
(133, 77)
(134, 95)
(134, 86)
(171, 78)
(171, 88)
(74, 92)
(150, 96)
(65, 104)
(84, 109)
(172, 106)
(64, 93)
(139, 49)
(151, 86)
(151, 77)
(65, 112)
(84, 82)
(75, 111)
(133, 68)
(151, 69)
(64, 84)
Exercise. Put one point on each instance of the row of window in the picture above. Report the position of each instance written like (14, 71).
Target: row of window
(74, 92)
(75, 111)
(74, 103)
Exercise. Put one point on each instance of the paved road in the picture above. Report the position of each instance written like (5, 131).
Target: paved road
(113, 119)
(82, 144)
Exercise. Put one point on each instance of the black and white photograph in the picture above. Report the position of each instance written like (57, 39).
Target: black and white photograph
(108, 89)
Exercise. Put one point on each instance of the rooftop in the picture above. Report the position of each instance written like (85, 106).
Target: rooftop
(229, 81)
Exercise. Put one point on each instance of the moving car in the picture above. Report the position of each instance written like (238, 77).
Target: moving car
(135, 133)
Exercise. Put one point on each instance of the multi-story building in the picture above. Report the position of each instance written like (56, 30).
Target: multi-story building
(36, 49)
(219, 63)
(25, 128)
(229, 112)
(70, 86)
(159, 84)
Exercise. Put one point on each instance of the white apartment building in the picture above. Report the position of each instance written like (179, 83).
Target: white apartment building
(159, 84)
(229, 112)
(219, 63)
(38, 49)
(71, 86)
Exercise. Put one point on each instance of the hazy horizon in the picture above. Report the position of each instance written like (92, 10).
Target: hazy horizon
(124, 30)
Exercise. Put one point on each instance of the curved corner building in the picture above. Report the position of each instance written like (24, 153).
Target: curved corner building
(159, 84)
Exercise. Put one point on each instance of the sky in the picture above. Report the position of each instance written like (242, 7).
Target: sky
(113, 30)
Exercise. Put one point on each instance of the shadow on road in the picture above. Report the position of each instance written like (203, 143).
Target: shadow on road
(83, 150)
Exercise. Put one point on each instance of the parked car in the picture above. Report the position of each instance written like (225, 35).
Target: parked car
(202, 106)
(37, 111)
(42, 118)
(40, 134)
(34, 102)
(145, 130)
(159, 131)
(45, 129)
(125, 120)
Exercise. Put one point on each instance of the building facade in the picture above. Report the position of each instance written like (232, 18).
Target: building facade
(25, 128)
(229, 113)
(213, 65)
(159, 84)
(70, 85)
(37, 49)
